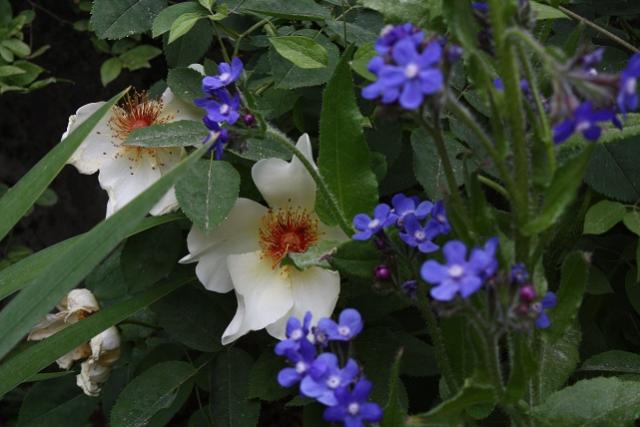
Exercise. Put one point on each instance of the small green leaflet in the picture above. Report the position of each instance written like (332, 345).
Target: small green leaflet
(303, 51)
(167, 17)
(543, 11)
(602, 216)
(184, 133)
(116, 19)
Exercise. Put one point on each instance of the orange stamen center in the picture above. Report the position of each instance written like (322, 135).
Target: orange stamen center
(287, 230)
(135, 112)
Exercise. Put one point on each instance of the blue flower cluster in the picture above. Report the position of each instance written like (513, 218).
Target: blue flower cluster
(585, 117)
(461, 275)
(320, 376)
(418, 222)
(221, 106)
(407, 67)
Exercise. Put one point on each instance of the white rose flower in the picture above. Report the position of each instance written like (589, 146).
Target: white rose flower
(244, 253)
(126, 171)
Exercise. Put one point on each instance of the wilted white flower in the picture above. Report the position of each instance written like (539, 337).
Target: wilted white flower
(105, 351)
(78, 304)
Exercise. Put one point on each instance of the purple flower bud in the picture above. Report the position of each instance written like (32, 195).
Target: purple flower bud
(410, 288)
(454, 53)
(382, 272)
(249, 119)
(527, 294)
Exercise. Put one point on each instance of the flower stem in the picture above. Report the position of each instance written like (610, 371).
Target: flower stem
(510, 73)
(323, 188)
(424, 306)
(471, 123)
(251, 29)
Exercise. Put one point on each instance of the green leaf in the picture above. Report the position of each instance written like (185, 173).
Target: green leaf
(38, 356)
(361, 60)
(303, 51)
(394, 411)
(153, 390)
(183, 133)
(230, 402)
(614, 361)
(162, 22)
(20, 48)
(110, 70)
(261, 148)
(21, 274)
(573, 282)
(116, 19)
(208, 192)
(472, 393)
(602, 216)
(151, 256)
(561, 192)
(317, 255)
(632, 221)
(595, 402)
(428, 166)
(139, 57)
(632, 286)
(558, 358)
(613, 170)
(48, 198)
(185, 83)
(19, 199)
(344, 158)
(263, 380)
(193, 317)
(287, 76)
(415, 11)
(58, 402)
(298, 10)
(191, 47)
(598, 283)
(358, 259)
(543, 11)
(183, 24)
(63, 274)
(10, 70)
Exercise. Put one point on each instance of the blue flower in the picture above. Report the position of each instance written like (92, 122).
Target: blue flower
(325, 377)
(485, 258)
(585, 120)
(548, 301)
(417, 236)
(439, 223)
(352, 407)
(591, 59)
(480, 6)
(393, 34)
(222, 139)
(349, 325)
(229, 73)
(458, 275)
(301, 360)
(628, 86)
(222, 107)
(367, 226)
(410, 76)
(519, 273)
(296, 333)
(403, 206)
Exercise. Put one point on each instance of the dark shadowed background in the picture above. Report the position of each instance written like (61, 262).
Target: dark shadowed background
(31, 124)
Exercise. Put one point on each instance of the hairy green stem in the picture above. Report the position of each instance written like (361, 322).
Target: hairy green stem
(326, 193)
(510, 73)
(542, 117)
(493, 185)
(464, 115)
(424, 306)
